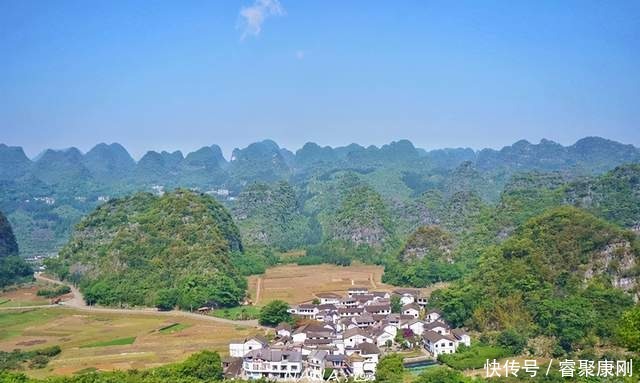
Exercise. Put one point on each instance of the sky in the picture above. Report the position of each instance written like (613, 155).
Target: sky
(179, 75)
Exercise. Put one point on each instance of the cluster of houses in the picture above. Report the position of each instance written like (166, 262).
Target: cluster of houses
(343, 337)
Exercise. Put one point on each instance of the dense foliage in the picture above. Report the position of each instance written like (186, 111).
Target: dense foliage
(274, 313)
(8, 244)
(16, 359)
(556, 276)
(205, 366)
(270, 215)
(45, 197)
(13, 269)
(147, 250)
(390, 369)
(53, 292)
(427, 258)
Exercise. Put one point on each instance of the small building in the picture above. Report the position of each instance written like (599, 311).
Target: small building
(284, 329)
(241, 348)
(306, 310)
(407, 296)
(328, 298)
(461, 336)
(412, 309)
(438, 344)
(354, 291)
(437, 326)
(432, 315)
(272, 364)
(354, 337)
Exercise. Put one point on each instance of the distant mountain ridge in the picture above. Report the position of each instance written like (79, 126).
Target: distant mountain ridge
(44, 197)
(545, 155)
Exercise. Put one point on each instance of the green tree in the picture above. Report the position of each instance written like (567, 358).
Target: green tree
(513, 340)
(628, 330)
(390, 369)
(274, 312)
(166, 299)
(396, 304)
(441, 375)
(205, 365)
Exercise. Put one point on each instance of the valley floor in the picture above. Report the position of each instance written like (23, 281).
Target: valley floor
(110, 338)
(108, 341)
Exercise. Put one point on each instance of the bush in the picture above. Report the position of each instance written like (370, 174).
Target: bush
(49, 351)
(205, 365)
(441, 375)
(52, 293)
(474, 356)
(390, 369)
(166, 299)
(512, 340)
(39, 361)
(274, 313)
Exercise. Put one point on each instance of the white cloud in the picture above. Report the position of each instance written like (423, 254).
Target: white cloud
(252, 17)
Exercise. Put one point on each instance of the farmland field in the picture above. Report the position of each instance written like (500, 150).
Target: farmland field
(107, 341)
(296, 284)
(24, 296)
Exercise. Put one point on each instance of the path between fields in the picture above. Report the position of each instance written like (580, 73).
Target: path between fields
(77, 302)
(258, 288)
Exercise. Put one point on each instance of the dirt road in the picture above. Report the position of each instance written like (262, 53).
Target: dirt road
(77, 302)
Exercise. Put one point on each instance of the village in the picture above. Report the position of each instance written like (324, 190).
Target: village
(343, 337)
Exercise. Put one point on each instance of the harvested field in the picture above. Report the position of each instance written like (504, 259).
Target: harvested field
(71, 330)
(296, 284)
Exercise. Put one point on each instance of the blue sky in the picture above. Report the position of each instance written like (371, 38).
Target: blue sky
(180, 75)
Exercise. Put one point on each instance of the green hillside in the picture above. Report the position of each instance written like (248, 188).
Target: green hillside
(149, 250)
(564, 273)
(13, 269)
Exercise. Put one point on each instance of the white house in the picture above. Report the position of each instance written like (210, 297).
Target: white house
(416, 326)
(354, 337)
(422, 300)
(316, 365)
(283, 329)
(378, 309)
(411, 309)
(438, 344)
(328, 298)
(272, 364)
(461, 336)
(407, 296)
(371, 354)
(353, 291)
(437, 326)
(432, 315)
(308, 311)
(243, 347)
(382, 336)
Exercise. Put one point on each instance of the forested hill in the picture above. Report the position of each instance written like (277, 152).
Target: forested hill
(8, 244)
(12, 268)
(43, 198)
(564, 274)
(147, 250)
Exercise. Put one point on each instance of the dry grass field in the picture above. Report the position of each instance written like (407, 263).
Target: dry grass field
(23, 296)
(75, 331)
(100, 339)
(296, 284)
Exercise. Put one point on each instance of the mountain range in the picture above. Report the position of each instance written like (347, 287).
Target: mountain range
(44, 197)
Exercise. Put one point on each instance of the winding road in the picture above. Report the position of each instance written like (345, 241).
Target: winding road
(77, 302)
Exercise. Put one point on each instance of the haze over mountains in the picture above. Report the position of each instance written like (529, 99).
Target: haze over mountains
(45, 196)
(267, 161)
